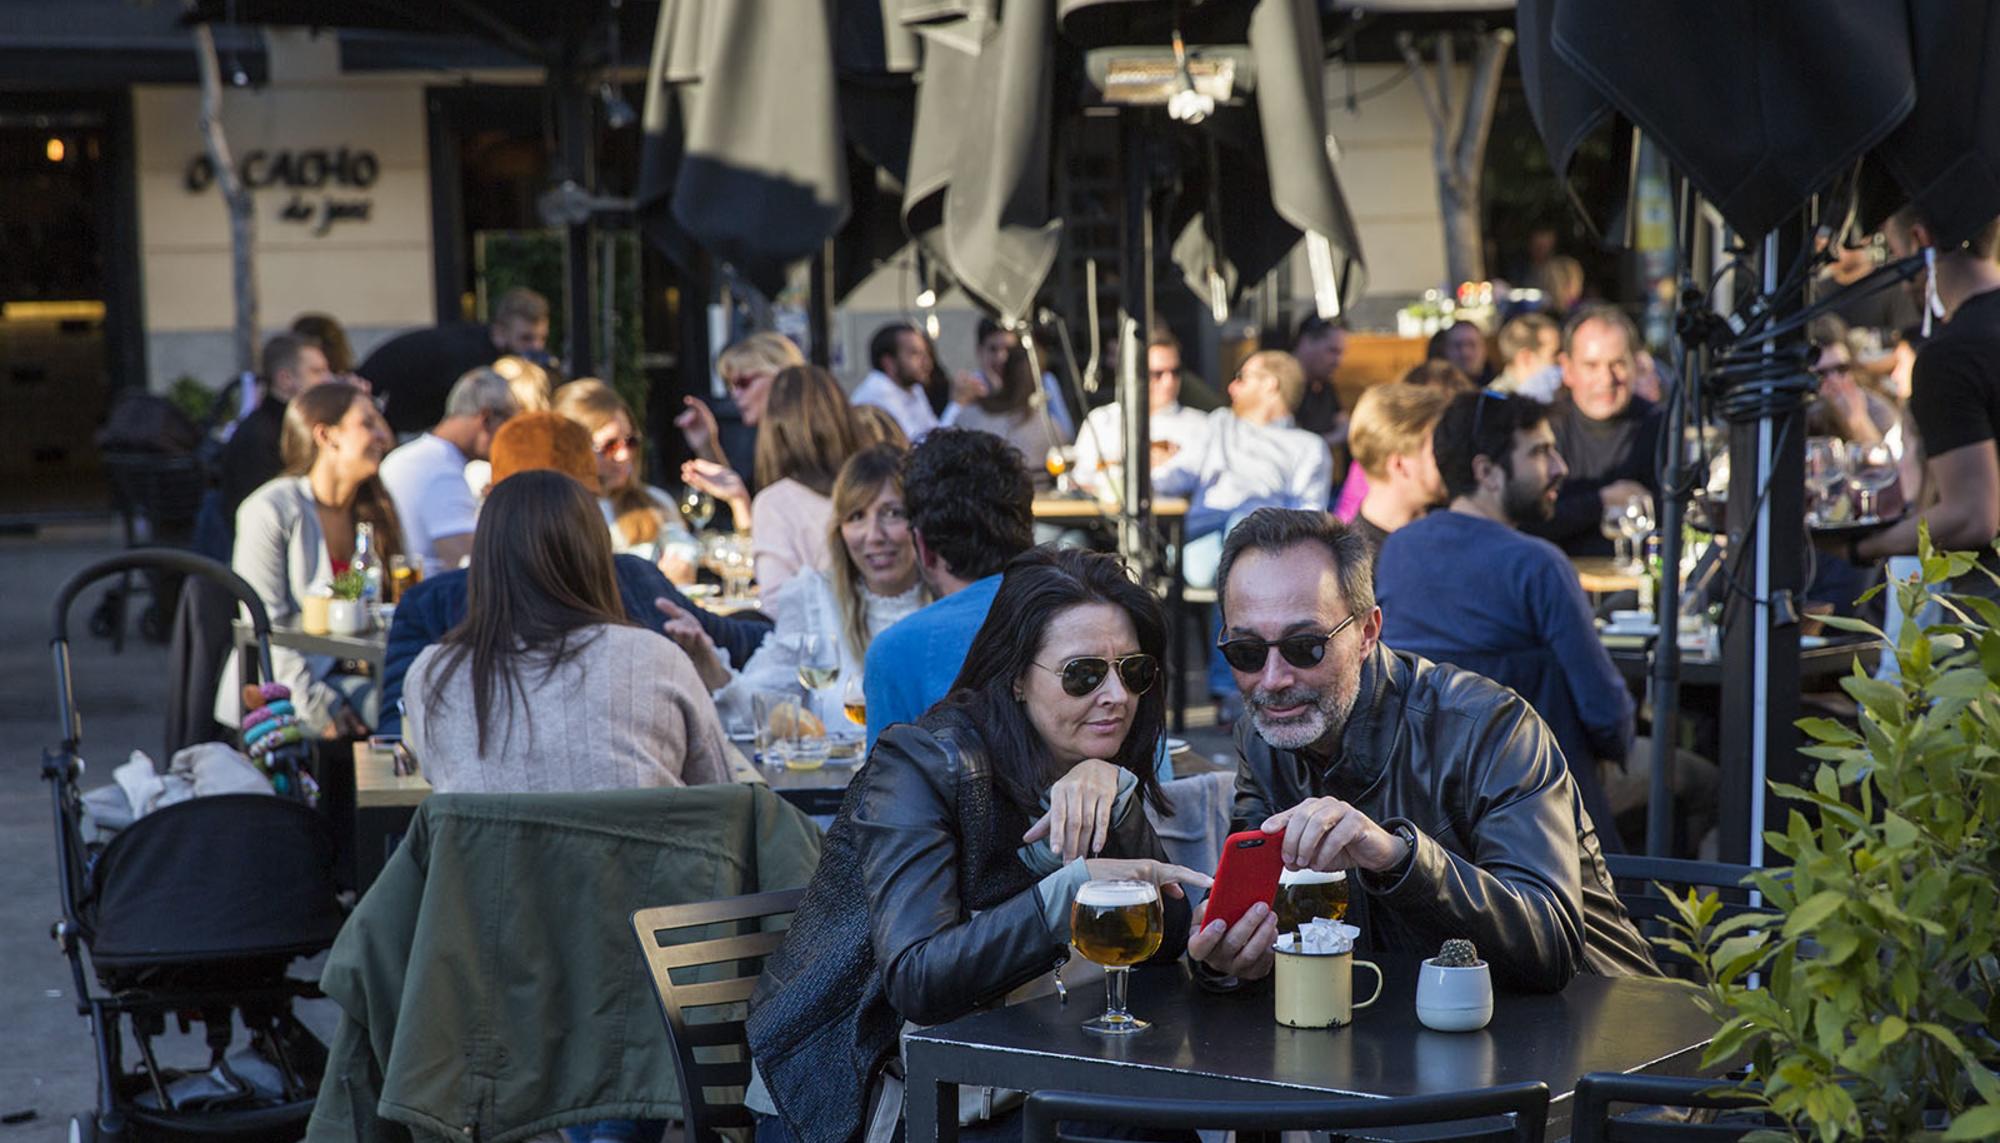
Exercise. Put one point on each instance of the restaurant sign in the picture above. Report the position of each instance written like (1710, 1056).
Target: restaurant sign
(328, 172)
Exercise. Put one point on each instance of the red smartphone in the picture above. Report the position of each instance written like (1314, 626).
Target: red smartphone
(1247, 874)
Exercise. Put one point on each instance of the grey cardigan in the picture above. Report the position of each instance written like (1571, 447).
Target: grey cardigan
(281, 553)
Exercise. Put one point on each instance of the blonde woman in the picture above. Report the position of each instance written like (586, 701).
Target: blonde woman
(873, 582)
(807, 433)
(747, 368)
(644, 520)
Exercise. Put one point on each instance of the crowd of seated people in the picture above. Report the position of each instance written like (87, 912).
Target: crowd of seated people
(1458, 743)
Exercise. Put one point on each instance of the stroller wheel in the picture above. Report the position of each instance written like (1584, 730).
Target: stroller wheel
(83, 1129)
(104, 620)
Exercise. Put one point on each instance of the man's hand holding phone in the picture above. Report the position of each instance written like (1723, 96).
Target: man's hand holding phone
(1242, 950)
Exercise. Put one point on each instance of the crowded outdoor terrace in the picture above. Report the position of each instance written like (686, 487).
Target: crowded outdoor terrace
(1188, 695)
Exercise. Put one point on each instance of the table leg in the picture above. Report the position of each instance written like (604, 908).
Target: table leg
(930, 1107)
(1176, 636)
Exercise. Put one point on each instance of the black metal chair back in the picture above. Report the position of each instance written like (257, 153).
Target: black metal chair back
(705, 1009)
(1594, 1122)
(1518, 1113)
(1636, 875)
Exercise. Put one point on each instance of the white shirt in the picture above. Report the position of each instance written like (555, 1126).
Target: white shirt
(1245, 466)
(1101, 444)
(1542, 385)
(426, 479)
(911, 407)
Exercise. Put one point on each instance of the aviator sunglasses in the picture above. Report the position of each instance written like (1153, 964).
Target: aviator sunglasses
(1083, 676)
(1301, 651)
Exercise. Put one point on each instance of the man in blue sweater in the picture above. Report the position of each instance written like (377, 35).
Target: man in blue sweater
(1466, 587)
(971, 507)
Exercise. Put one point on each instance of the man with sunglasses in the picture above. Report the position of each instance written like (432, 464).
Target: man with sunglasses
(426, 478)
(1440, 789)
(1524, 621)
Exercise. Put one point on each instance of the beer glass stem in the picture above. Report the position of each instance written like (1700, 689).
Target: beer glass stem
(1114, 995)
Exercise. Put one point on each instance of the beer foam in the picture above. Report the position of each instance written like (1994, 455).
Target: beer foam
(1110, 894)
(1311, 877)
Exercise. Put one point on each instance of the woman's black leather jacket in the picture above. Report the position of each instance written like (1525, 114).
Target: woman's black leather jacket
(921, 910)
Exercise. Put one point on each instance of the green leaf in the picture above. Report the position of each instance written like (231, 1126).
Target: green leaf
(1858, 626)
(1961, 683)
(1827, 730)
(1886, 701)
(1945, 1036)
(1899, 831)
(1982, 1122)
(1814, 910)
(1892, 1029)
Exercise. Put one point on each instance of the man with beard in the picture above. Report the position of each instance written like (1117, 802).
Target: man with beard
(1441, 791)
(1524, 621)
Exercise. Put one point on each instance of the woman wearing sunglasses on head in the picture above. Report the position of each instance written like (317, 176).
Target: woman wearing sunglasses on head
(947, 878)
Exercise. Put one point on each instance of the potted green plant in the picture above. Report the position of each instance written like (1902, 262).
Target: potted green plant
(347, 614)
(1874, 1009)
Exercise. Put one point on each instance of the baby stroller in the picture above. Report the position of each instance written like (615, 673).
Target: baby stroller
(193, 912)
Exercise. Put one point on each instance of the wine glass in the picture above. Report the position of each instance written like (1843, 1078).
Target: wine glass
(697, 507)
(1826, 467)
(854, 701)
(1871, 468)
(1612, 526)
(1116, 923)
(819, 664)
(1637, 521)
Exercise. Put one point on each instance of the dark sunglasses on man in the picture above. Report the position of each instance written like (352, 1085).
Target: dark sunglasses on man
(1082, 676)
(1301, 651)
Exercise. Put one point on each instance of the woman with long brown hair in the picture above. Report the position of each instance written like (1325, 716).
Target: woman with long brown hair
(546, 686)
(872, 584)
(1014, 412)
(807, 433)
(644, 520)
(297, 532)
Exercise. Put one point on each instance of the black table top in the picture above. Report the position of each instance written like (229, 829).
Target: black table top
(1834, 659)
(1204, 1045)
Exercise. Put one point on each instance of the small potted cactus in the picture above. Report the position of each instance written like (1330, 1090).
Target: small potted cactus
(1454, 989)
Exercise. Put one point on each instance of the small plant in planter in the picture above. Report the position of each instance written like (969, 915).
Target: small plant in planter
(349, 585)
(1878, 1015)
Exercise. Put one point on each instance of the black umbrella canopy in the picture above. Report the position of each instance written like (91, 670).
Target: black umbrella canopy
(534, 29)
(1763, 105)
(768, 136)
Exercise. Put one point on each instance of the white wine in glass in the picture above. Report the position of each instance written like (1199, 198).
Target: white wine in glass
(698, 507)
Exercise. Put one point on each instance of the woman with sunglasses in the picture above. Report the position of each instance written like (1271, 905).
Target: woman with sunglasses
(947, 878)
(644, 520)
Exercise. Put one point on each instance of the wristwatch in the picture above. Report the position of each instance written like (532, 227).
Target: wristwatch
(1408, 833)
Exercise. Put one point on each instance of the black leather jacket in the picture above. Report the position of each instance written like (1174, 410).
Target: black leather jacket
(1505, 854)
(921, 910)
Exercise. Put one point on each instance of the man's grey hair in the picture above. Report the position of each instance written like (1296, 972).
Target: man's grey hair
(480, 392)
(1275, 529)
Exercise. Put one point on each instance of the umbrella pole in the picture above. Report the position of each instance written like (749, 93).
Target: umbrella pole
(1667, 598)
(573, 143)
(1135, 302)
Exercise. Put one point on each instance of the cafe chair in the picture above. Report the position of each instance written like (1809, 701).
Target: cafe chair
(1636, 876)
(718, 947)
(1594, 1122)
(1518, 1113)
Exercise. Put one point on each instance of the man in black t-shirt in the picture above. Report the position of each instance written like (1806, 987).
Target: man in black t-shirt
(1609, 436)
(289, 366)
(1955, 401)
(414, 371)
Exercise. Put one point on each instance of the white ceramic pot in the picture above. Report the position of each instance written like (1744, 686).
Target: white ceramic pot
(346, 617)
(1453, 999)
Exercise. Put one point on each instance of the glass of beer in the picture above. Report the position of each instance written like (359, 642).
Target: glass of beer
(405, 572)
(1116, 924)
(1306, 894)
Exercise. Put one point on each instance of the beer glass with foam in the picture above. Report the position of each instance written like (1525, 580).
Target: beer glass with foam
(1307, 894)
(1116, 924)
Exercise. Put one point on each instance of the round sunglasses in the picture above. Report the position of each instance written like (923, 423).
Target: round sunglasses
(1301, 651)
(1082, 676)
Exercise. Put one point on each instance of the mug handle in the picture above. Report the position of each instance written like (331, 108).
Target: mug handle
(1375, 995)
